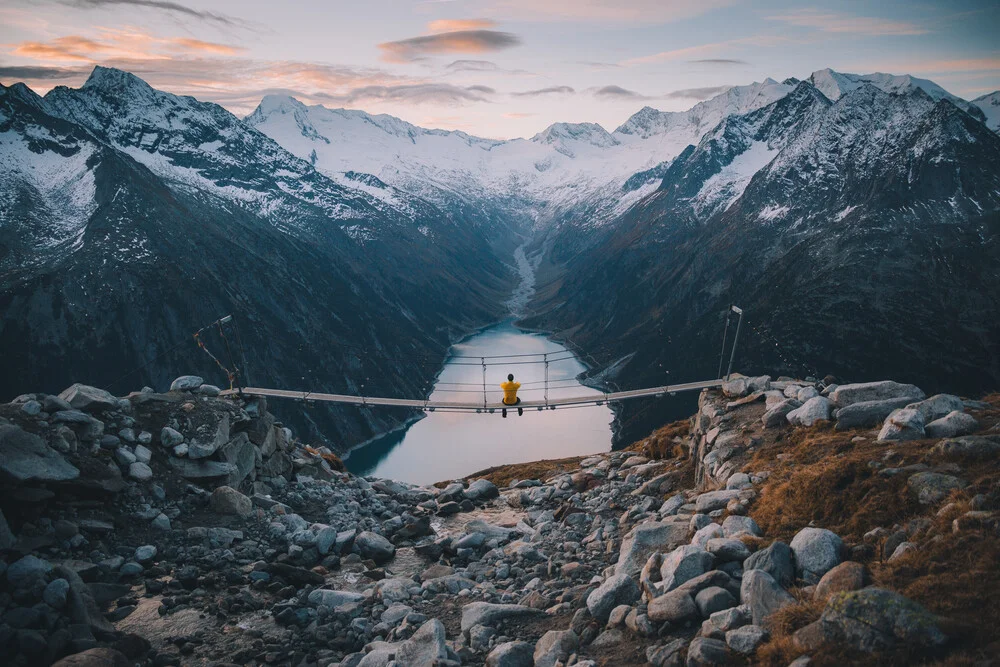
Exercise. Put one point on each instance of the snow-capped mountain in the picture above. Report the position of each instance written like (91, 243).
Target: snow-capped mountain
(990, 106)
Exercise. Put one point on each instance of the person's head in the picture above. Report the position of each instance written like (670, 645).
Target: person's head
(510, 377)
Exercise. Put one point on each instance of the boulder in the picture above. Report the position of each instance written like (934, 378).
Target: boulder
(227, 500)
(616, 590)
(374, 546)
(683, 564)
(815, 409)
(186, 383)
(726, 550)
(26, 458)
(763, 595)
(739, 385)
(487, 613)
(931, 488)
(95, 657)
(971, 446)
(903, 424)
(848, 576)
(201, 470)
(426, 648)
(90, 399)
(866, 414)
(170, 437)
(512, 654)
(199, 449)
(714, 500)
(26, 570)
(874, 619)
(937, 406)
(736, 525)
(776, 560)
(777, 415)
(242, 455)
(848, 394)
(746, 639)
(646, 539)
(817, 551)
(140, 472)
(703, 651)
(7, 538)
(677, 606)
(952, 425)
(555, 646)
(481, 489)
(668, 655)
(713, 599)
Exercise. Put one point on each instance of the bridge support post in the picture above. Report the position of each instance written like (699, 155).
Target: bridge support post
(736, 339)
(482, 360)
(546, 358)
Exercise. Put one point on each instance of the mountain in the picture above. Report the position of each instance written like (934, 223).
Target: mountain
(858, 234)
(990, 106)
(131, 217)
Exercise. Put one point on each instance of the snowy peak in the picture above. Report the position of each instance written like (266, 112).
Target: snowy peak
(989, 104)
(836, 84)
(111, 80)
(588, 133)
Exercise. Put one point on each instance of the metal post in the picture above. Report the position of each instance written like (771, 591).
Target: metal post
(483, 361)
(725, 336)
(736, 338)
(546, 358)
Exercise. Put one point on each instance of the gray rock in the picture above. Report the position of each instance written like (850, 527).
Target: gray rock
(31, 408)
(937, 406)
(618, 589)
(817, 551)
(740, 385)
(705, 651)
(903, 424)
(555, 646)
(727, 550)
(201, 470)
(199, 449)
(668, 655)
(713, 599)
(426, 648)
(763, 595)
(322, 597)
(124, 457)
(55, 593)
(143, 454)
(874, 619)
(848, 394)
(512, 654)
(186, 383)
(778, 414)
(140, 472)
(683, 564)
(80, 605)
(481, 489)
(227, 500)
(208, 390)
(971, 446)
(814, 410)
(170, 437)
(55, 404)
(736, 525)
(26, 458)
(161, 522)
(145, 553)
(745, 640)
(91, 399)
(487, 613)
(723, 621)
(672, 504)
(374, 546)
(709, 532)
(27, 570)
(931, 488)
(739, 481)
(241, 454)
(145, 437)
(646, 539)
(866, 414)
(714, 500)
(952, 425)
(677, 606)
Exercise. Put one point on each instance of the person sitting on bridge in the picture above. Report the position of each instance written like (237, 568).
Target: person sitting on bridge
(510, 394)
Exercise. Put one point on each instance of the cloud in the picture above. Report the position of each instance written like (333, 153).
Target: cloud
(718, 61)
(450, 25)
(117, 44)
(458, 66)
(701, 52)
(697, 93)
(482, 89)
(607, 11)
(208, 47)
(845, 23)
(551, 90)
(618, 92)
(36, 72)
(422, 93)
(174, 8)
(516, 115)
(459, 41)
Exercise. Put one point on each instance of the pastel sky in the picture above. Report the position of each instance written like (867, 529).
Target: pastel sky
(495, 68)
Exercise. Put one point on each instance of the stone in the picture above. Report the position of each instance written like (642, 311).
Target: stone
(227, 500)
(208, 390)
(161, 522)
(170, 437)
(31, 408)
(616, 590)
(7, 538)
(677, 606)
(815, 409)
(805, 393)
(555, 646)
(952, 425)
(723, 621)
(53, 404)
(140, 472)
(713, 599)
(26, 458)
(705, 651)
(848, 394)
(426, 648)
(937, 406)
(727, 550)
(901, 550)
(124, 456)
(646, 539)
(482, 489)
(709, 532)
(683, 564)
(80, 604)
(736, 525)
(848, 576)
(143, 454)
(866, 414)
(874, 619)
(817, 551)
(95, 657)
(763, 595)
(26, 570)
(903, 424)
(199, 449)
(776, 560)
(90, 399)
(714, 500)
(55, 593)
(971, 446)
(931, 488)
(668, 655)
(186, 383)
(777, 415)
(740, 385)
(240, 453)
(488, 613)
(374, 546)
(745, 640)
(512, 654)
(145, 553)
(201, 470)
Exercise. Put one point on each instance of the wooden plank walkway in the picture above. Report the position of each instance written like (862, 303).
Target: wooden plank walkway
(593, 399)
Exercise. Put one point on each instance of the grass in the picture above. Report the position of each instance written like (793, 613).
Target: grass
(541, 470)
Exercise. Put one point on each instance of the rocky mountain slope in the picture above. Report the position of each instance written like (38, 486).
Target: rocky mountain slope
(132, 217)
(785, 521)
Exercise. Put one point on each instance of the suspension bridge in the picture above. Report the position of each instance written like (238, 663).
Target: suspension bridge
(483, 403)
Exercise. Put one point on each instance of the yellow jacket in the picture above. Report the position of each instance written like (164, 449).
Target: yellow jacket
(510, 392)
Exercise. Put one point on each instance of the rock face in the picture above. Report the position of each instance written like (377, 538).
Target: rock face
(848, 394)
(817, 551)
(90, 399)
(763, 595)
(776, 560)
(26, 458)
(645, 540)
(682, 564)
(951, 425)
(864, 414)
(904, 424)
(616, 590)
(873, 619)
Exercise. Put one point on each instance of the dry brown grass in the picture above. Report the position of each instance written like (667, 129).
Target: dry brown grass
(661, 443)
(541, 470)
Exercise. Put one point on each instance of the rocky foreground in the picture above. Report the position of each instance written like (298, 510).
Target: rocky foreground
(788, 522)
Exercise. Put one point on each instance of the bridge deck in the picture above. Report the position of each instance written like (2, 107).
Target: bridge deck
(593, 399)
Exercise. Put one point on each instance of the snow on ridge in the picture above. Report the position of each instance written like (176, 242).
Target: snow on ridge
(725, 187)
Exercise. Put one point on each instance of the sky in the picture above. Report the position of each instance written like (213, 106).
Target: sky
(493, 68)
